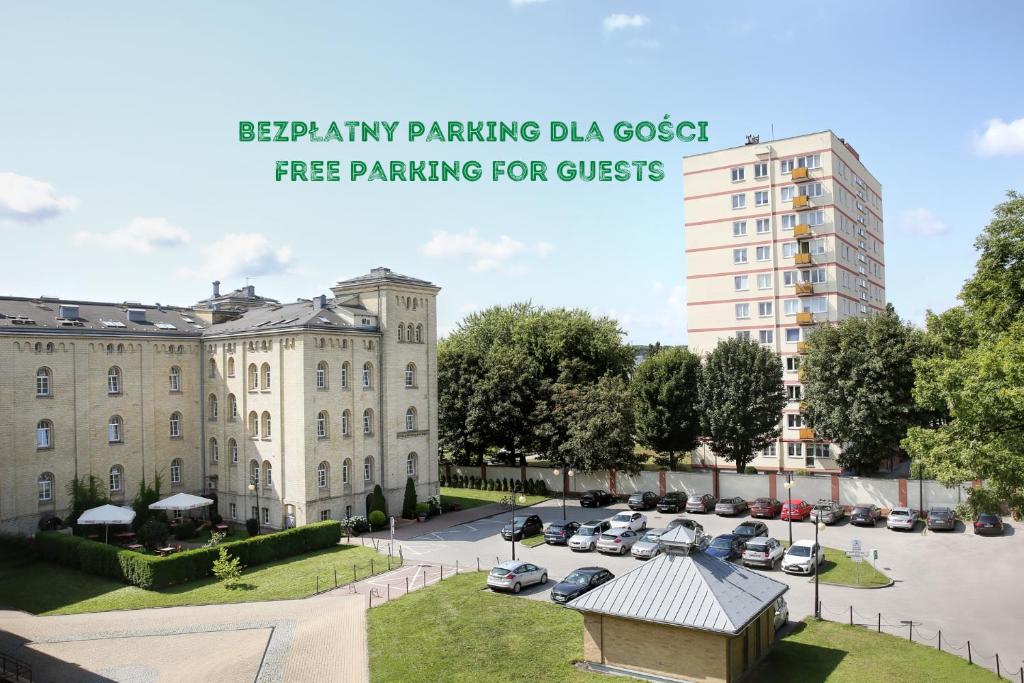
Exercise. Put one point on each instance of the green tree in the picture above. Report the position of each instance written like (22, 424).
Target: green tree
(378, 501)
(458, 372)
(976, 373)
(599, 418)
(666, 403)
(741, 398)
(227, 568)
(147, 495)
(409, 502)
(85, 493)
(858, 379)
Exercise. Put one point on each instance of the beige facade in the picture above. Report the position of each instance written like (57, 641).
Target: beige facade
(780, 237)
(291, 413)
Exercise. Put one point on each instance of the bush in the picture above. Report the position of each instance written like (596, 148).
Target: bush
(252, 525)
(684, 467)
(749, 469)
(185, 530)
(442, 481)
(378, 502)
(490, 484)
(541, 488)
(377, 519)
(216, 518)
(518, 488)
(355, 525)
(422, 509)
(800, 472)
(153, 533)
(409, 502)
(227, 569)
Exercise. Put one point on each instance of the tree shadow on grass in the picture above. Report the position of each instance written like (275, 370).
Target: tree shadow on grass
(241, 587)
(789, 661)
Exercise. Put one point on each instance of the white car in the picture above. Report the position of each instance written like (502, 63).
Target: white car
(628, 520)
(514, 575)
(762, 552)
(803, 557)
(902, 518)
(781, 613)
(586, 536)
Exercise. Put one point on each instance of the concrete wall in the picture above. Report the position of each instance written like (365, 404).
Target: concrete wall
(632, 483)
(884, 493)
(746, 486)
(934, 494)
(689, 482)
(807, 488)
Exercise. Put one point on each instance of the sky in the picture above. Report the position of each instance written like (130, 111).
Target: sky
(122, 177)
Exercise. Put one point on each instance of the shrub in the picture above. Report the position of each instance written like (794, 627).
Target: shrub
(422, 509)
(185, 530)
(518, 488)
(490, 484)
(800, 472)
(504, 483)
(684, 467)
(252, 525)
(227, 569)
(409, 502)
(355, 525)
(216, 518)
(749, 469)
(153, 533)
(216, 538)
(378, 502)
(442, 481)
(541, 488)
(377, 519)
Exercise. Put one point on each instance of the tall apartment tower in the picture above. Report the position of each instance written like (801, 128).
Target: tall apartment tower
(780, 237)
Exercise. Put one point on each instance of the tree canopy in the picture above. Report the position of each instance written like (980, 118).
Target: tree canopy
(666, 403)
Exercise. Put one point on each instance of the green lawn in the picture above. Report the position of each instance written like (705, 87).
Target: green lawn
(840, 569)
(471, 498)
(44, 588)
(533, 541)
(455, 631)
(837, 653)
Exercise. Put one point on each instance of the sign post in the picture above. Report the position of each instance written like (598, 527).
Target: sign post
(857, 554)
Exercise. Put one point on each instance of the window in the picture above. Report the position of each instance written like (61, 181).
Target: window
(175, 426)
(176, 471)
(816, 450)
(809, 161)
(768, 452)
(367, 421)
(739, 201)
(786, 193)
(792, 334)
(265, 425)
(212, 405)
(764, 309)
(794, 450)
(741, 282)
(231, 367)
(761, 169)
(266, 516)
(232, 407)
(789, 249)
(268, 474)
(766, 336)
(764, 225)
(321, 475)
(794, 421)
(401, 332)
(742, 311)
(737, 174)
(254, 424)
(791, 306)
(254, 473)
(785, 165)
(211, 369)
(410, 465)
(116, 478)
(174, 379)
(817, 246)
(255, 512)
(344, 375)
(764, 281)
(419, 334)
(321, 375)
(214, 451)
(233, 448)
(743, 334)
(346, 467)
(43, 377)
(45, 487)
(115, 430)
(114, 380)
(817, 304)
(325, 515)
(790, 278)
(739, 256)
(810, 190)
(410, 375)
(739, 228)
(794, 392)
(410, 419)
(761, 198)
(233, 510)
(345, 418)
(408, 333)
(321, 425)
(789, 221)
(764, 253)
(792, 363)
(254, 377)
(812, 218)
(265, 376)
(367, 374)
(368, 469)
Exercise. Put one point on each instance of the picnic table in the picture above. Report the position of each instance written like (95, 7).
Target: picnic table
(134, 546)
(165, 551)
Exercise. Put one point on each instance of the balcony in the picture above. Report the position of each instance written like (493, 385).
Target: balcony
(801, 201)
(802, 258)
(806, 434)
(804, 318)
(802, 231)
(804, 289)
(799, 175)
(802, 347)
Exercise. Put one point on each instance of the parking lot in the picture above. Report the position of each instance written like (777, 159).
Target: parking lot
(956, 581)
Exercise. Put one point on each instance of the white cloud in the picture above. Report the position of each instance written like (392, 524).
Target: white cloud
(484, 255)
(29, 200)
(617, 22)
(921, 222)
(1001, 139)
(663, 319)
(243, 255)
(143, 235)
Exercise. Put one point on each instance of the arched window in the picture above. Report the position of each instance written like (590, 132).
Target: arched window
(120, 348)
(115, 429)
(175, 425)
(44, 434)
(44, 384)
(419, 334)
(231, 367)
(254, 377)
(321, 375)
(368, 469)
(175, 378)
(214, 450)
(211, 368)
(410, 465)
(321, 424)
(232, 407)
(212, 403)
(410, 375)
(116, 479)
(49, 347)
(45, 487)
(346, 468)
(254, 473)
(410, 419)
(346, 421)
(39, 347)
(233, 449)
(265, 425)
(265, 375)
(181, 349)
(408, 333)
(110, 348)
(176, 466)
(322, 475)
(254, 424)
(345, 367)
(367, 421)
(268, 474)
(114, 380)
(367, 375)
(401, 331)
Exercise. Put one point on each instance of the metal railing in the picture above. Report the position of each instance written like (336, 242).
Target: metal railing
(13, 669)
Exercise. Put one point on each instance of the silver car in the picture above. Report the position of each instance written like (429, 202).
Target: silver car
(586, 536)
(827, 511)
(648, 545)
(781, 613)
(515, 575)
(902, 518)
(617, 541)
(629, 520)
(762, 552)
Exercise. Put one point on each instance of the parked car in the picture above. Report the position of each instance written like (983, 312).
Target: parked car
(762, 551)
(700, 502)
(726, 547)
(559, 533)
(629, 520)
(673, 501)
(827, 511)
(795, 509)
(515, 575)
(596, 498)
(730, 506)
(803, 557)
(619, 541)
(902, 518)
(988, 524)
(688, 523)
(781, 613)
(865, 514)
(749, 530)
(645, 500)
(586, 536)
(941, 517)
(765, 507)
(648, 546)
(521, 527)
(579, 582)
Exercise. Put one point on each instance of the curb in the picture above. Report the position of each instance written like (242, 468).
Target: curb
(892, 582)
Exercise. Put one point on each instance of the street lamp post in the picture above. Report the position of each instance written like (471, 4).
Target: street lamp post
(789, 496)
(569, 472)
(254, 485)
(817, 604)
(512, 533)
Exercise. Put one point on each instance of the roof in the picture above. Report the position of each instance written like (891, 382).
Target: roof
(382, 274)
(18, 314)
(691, 591)
(298, 314)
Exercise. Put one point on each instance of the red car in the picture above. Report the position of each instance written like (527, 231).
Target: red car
(796, 510)
(765, 507)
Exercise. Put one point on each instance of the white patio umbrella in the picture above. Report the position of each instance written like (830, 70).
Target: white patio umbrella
(181, 501)
(107, 515)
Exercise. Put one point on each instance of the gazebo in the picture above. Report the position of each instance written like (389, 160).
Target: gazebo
(107, 515)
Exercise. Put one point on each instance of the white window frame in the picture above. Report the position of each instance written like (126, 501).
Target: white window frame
(764, 280)
(739, 201)
(765, 309)
(738, 173)
(742, 311)
(761, 198)
(741, 283)
(739, 228)
(764, 226)
(739, 256)
(764, 253)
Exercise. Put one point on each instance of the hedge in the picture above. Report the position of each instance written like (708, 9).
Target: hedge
(151, 572)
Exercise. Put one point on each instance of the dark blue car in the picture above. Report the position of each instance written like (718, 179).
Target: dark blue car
(726, 547)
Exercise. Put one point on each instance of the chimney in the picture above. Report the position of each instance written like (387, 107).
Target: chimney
(319, 302)
(216, 288)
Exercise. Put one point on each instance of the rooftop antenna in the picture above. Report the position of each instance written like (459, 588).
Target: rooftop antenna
(773, 132)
